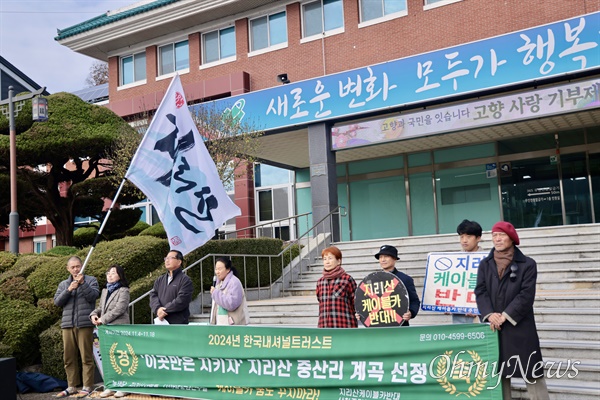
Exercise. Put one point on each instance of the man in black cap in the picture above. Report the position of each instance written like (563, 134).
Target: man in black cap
(387, 256)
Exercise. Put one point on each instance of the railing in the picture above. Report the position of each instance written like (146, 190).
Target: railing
(316, 238)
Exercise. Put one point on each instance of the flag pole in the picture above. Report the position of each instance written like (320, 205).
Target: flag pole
(97, 238)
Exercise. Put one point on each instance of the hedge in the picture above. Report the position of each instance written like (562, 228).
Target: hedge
(7, 260)
(33, 279)
(62, 251)
(17, 289)
(137, 255)
(157, 230)
(85, 236)
(20, 326)
(137, 229)
(25, 265)
(51, 349)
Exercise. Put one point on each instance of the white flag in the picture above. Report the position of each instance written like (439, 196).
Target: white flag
(173, 168)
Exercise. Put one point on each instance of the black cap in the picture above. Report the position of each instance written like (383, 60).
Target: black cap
(388, 251)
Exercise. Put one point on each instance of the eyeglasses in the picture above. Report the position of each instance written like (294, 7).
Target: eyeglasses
(513, 272)
(170, 258)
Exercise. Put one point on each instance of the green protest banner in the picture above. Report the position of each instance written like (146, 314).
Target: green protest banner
(235, 362)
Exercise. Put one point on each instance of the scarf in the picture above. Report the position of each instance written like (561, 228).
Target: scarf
(112, 287)
(334, 273)
(503, 259)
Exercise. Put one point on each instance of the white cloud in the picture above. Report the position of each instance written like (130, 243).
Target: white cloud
(27, 32)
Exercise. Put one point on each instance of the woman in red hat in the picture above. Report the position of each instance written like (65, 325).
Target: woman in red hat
(505, 293)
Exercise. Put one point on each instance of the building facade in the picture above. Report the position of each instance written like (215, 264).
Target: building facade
(411, 114)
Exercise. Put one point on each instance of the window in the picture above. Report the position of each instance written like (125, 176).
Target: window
(218, 45)
(429, 4)
(40, 245)
(322, 16)
(373, 9)
(268, 31)
(173, 57)
(133, 68)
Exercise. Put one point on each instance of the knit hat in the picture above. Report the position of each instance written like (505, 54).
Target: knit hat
(507, 228)
(387, 250)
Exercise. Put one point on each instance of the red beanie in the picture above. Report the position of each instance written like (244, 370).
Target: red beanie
(507, 228)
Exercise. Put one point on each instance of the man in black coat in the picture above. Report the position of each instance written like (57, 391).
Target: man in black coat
(172, 292)
(387, 257)
(505, 293)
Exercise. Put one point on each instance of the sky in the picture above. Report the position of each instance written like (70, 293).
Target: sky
(27, 32)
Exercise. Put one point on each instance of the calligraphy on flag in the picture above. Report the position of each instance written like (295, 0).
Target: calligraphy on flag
(173, 168)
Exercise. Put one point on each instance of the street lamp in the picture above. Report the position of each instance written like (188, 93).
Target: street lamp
(40, 109)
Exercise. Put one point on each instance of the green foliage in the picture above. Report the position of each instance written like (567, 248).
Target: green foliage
(85, 236)
(257, 270)
(137, 255)
(48, 305)
(7, 260)
(51, 349)
(157, 230)
(25, 265)
(120, 221)
(142, 258)
(62, 251)
(45, 278)
(20, 326)
(17, 289)
(141, 309)
(137, 228)
(77, 134)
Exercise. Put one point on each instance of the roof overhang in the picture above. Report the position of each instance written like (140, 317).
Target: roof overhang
(99, 40)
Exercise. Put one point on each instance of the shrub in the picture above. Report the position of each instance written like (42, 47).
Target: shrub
(83, 237)
(7, 260)
(141, 311)
(157, 230)
(51, 349)
(17, 289)
(25, 265)
(48, 305)
(20, 326)
(62, 251)
(137, 255)
(248, 273)
(120, 221)
(137, 229)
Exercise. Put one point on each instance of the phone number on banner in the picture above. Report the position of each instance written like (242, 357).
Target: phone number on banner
(428, 337)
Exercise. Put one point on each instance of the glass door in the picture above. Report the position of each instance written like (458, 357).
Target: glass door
(531, 192)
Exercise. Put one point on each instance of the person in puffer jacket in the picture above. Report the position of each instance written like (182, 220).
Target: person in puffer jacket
(77, 296)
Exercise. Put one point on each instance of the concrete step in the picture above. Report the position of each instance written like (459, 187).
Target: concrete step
(560, 389)
(570, 349)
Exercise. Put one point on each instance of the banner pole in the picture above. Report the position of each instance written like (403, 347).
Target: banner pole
(97, 238)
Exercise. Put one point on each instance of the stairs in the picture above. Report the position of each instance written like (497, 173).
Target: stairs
(567, 304)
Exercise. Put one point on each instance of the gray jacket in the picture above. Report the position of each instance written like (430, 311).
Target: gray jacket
(115, 310)
(78, 304)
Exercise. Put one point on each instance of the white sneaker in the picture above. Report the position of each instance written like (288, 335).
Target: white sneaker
(106, 393)
(120, 394)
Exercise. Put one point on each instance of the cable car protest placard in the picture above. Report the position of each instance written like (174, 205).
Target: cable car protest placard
(450, 280)
(381, 299)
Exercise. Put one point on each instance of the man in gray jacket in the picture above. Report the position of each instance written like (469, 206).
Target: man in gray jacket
(77, 296)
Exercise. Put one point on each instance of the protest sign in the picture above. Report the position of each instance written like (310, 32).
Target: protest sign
(381, 299)
(450, 280)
